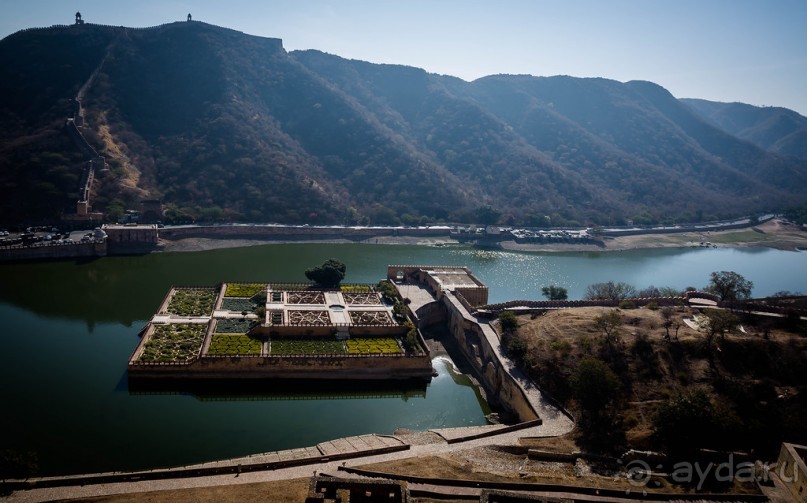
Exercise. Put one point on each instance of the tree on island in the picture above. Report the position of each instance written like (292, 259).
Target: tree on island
(329, 274)
(729, 285)
(488, 215)
(553, 292)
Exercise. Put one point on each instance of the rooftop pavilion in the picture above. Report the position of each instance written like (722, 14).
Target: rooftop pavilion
(441, 279)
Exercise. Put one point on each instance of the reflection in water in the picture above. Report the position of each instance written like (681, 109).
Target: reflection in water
(223, 390)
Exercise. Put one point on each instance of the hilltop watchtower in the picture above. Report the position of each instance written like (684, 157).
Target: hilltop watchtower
(189, 17)
(78, 18)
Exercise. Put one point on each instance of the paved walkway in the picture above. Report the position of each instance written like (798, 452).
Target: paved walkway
(307, 470)
(555, 421)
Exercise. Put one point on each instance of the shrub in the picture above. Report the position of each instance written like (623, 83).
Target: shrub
(508, 321)
(387, 289)
(595, 385)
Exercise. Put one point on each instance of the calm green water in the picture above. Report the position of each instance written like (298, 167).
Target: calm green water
(69, 328)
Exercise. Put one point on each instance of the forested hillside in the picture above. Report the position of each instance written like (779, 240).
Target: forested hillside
(220, 125)
(775, 129)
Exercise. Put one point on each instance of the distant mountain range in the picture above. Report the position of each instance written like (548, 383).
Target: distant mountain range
(220, 125)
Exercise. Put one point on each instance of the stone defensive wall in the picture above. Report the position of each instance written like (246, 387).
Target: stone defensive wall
(294, 232)
(689, 298)
(561, 304)
(53, 251)
(707, 227)
(81, 142)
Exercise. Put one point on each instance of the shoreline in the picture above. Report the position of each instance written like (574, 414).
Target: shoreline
(772, 234)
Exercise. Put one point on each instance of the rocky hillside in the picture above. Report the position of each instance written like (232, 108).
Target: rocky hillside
(220, 125)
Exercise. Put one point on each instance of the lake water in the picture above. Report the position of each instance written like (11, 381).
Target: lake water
(69, 328)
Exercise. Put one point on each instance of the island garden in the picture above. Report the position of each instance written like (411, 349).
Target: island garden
(282, 330)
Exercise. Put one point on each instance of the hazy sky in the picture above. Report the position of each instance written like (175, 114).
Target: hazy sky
(723, 50)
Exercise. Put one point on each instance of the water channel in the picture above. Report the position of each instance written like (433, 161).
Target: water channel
(69, 328)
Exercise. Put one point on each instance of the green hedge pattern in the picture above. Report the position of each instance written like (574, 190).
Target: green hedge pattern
(329, 346)
(230, 326)
(174, 343)
(237, 304)
(307, 347)
(234, 344)
(384, 345)
(192, 302)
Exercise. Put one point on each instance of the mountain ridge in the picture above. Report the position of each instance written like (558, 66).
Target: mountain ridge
(220, 125)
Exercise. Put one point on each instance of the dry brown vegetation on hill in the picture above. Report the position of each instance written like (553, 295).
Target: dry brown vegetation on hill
(756, 384)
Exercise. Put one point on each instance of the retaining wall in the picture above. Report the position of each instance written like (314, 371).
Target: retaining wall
(501, 388)
(360, 367)
(76, 250)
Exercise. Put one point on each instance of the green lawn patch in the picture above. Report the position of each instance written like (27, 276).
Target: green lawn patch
(244, 289)
(234, 344)
(737, 237)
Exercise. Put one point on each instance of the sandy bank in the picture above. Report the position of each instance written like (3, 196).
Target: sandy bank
(771, 234)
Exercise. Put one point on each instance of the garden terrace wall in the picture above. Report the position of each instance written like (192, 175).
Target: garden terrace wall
(348, 367)
(281, 331)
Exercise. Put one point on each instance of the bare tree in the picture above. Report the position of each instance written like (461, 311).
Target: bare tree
(610, 291)
(717, 322)
(609, 324)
